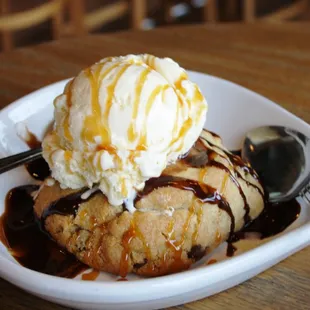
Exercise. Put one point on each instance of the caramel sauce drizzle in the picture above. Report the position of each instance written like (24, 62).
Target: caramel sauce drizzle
(91, 276)
(224, 184)
(93, 123)
(178, 83)
(176, 125)
(123, 187)
(111, 90)
(126, 240)
(177, 251)
(211, 261)
(68, 157)
(176, 245)
(132, 133)
(202, 174)
(236, 162)
(196, 98)
(68, 92)
(146, 246)
(96, 159)
(199, 214)
(218, 237)
(142, 145)
(198, 95)
(67, 132)
(150, 61)
(203, 192)
(133, 232)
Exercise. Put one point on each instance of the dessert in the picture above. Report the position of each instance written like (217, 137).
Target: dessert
(129, 192)
(196, 204)
(137, 185)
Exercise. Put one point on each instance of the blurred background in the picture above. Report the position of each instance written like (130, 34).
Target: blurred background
(26, 22)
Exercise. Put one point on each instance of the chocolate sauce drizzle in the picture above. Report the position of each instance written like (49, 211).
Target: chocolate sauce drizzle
(236, 152)
(203, 192)
(67, 205)
(275, 218)
(38, 169)
(31, 247)
(205, 158)
(32, 141)
(238, 162)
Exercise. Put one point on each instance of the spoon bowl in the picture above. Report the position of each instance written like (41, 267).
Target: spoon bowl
(281, 157)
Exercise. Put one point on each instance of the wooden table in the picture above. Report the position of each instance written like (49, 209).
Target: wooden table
(273, 60)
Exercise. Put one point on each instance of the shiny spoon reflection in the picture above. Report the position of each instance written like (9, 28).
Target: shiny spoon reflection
(281, 157)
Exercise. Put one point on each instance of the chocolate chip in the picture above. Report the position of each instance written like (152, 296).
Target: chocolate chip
(196, 252)
(139, 265)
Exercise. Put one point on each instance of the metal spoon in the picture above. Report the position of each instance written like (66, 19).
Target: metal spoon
(14, 161)
(281, 157)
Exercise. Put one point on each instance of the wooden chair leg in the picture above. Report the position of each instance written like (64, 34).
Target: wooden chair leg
(211, 11)
(138, 13)
(167, 5)
(249, 7)
(77, 15)
(57, 21)
(7, 39)
(231, 9)
(296, 9)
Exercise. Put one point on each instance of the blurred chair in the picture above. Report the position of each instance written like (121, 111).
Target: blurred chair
(78, 22)
(210, 11)
(10, 22)
(296, 9)
(81, 21)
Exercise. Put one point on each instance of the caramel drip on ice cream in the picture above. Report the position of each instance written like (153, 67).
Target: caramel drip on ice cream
(124, 190)
(94, 123)
(160, 89)
(68, 157)
(178, 83)
(198, 95)
(111, 91)
(66, 124)
(150, 61)
(132, 133)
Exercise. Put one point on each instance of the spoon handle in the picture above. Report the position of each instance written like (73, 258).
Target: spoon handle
(305, 194)
(14, 161)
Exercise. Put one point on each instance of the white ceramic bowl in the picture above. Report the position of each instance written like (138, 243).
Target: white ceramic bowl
(233, 110)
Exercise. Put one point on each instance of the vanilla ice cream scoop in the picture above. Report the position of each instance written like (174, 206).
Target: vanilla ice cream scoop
(121, 122)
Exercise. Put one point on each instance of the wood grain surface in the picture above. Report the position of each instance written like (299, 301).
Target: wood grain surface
(273, 60)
